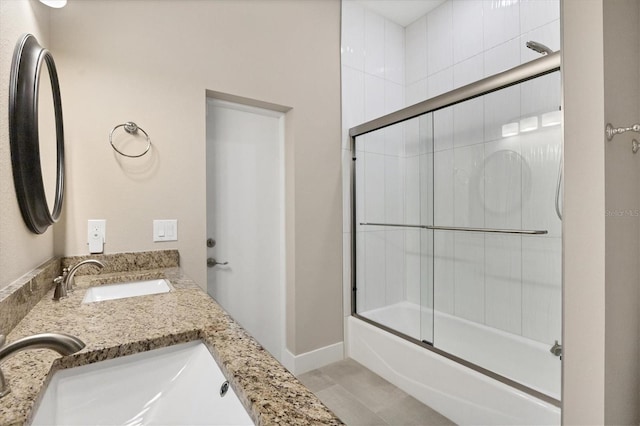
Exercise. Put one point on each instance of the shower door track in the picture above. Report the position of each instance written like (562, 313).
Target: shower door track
(528, 71)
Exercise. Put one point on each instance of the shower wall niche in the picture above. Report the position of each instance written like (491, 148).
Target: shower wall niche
(493, 162)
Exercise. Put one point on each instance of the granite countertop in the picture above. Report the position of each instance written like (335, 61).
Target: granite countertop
(116, 328)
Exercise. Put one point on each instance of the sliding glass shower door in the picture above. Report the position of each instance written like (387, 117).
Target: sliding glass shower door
(457, 224)
(394, 187)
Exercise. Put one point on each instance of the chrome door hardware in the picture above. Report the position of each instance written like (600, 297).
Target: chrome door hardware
(612, 131)
(211, 242)
(224, 388)
(211, 262)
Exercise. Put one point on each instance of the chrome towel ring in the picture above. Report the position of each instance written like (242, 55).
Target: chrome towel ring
(131, 128)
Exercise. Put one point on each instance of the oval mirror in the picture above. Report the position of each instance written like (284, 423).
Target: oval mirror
(36, 134)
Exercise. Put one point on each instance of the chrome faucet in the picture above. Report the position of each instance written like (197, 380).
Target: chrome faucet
(64, 344)
(64, 283)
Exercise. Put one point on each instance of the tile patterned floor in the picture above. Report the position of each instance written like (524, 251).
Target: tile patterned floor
(360, 397)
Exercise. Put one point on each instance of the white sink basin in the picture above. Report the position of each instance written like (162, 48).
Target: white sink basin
(121, 291)
(177, 385)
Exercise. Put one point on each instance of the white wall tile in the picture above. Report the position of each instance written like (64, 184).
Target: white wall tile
(393, 52)
(503, 282)
(375, 265)
(411, 137)
(352, 102)
(540, 95)
(468, 181)
(440, 82)
(426, 133)
(469, 275)
(468, 123)
(536, 13)
(440, 38)
(542, 288)
(502, 197)
(468, 116)
(393, 189)
(374, 97)
(468, 71)
(426, 285)
(426, 188)
(467, 29)
(443, 129)
(373, 43)
(412, 265)
(416, 92)
(373, 142)
(443, 188)
(394, 140)
(501, 22)
(502, 57)
(374, 188)
(444, 273)
(416, 51)
(500, 108)
(412, 185)
(352, 49)
(393, 97)
(395, 261)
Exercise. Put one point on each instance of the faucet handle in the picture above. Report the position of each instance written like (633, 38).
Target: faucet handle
(61, 291)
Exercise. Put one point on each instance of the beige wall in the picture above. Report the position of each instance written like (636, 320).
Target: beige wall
(20, 250)
(152, 62)
(622, 107)
(601, 377)
(584, 206)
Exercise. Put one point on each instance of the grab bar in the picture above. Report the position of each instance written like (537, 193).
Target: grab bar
(459, 228)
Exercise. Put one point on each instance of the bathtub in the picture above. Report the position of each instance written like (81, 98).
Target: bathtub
(464, 395)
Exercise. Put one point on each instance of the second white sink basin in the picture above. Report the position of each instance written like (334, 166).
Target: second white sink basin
(124, 290)
(176, 385)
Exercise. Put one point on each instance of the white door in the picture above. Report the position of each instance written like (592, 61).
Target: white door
(245, 217)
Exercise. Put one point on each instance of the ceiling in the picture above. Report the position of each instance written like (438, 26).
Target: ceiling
(402, 12)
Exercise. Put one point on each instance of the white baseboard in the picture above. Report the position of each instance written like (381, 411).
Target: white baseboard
(300, 364)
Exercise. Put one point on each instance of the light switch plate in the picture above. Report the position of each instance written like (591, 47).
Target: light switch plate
(165, 230)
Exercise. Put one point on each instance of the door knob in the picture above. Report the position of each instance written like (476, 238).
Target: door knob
(211, 262)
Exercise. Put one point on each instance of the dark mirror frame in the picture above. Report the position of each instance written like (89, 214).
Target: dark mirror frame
(29, 59)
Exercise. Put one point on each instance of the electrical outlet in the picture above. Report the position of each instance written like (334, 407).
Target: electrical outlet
(96, 235)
